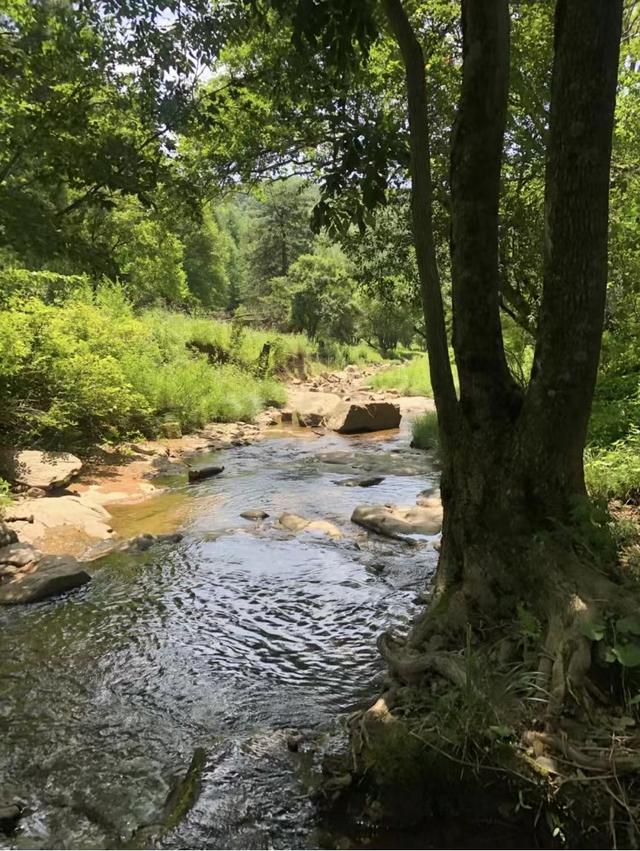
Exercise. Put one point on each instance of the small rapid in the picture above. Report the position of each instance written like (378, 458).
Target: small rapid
(227, 640)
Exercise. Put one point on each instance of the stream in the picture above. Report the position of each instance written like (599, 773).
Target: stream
(228, 640)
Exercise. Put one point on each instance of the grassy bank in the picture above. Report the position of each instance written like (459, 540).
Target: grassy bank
(84, 367)
(410, 379)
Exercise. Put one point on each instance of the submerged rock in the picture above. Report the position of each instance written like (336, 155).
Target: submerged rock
(139, 544)
(53, 575)
(296, 523)
(355, 417)
(204, 471)
(396, 520)
(361, 483)
(254, 514)
(34, 469)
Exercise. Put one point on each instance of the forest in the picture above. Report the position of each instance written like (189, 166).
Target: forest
(210, 206)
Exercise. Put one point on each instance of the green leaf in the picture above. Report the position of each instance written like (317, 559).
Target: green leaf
(629, 625)
(594, 630)
(501, 731)
(627, 654)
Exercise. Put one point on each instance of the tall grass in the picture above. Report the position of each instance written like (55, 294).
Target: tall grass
(410, 379)
(424, 431)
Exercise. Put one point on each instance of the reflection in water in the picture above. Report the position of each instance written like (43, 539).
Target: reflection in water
(222, 641)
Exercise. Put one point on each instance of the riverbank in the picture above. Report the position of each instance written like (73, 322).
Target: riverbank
(92, 508)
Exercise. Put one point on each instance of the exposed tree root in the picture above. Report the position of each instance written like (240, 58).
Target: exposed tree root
(498, 696)
(409, 665)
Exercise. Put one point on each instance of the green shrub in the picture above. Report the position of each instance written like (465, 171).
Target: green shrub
(19, 284)
(614, 472)
(5, 496)
(424, 431)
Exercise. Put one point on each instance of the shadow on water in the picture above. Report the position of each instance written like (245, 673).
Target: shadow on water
(226, 640)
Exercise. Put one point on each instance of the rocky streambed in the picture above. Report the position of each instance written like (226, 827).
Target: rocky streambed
(241, 639)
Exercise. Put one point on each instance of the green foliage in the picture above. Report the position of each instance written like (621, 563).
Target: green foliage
(322, 295)
(424, 430)
(5, 496)
(50, 287)
(208, 250)
(614, 471)
(87, 369)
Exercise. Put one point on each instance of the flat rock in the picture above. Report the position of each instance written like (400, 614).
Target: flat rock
(54, 575)
(80, 512)
(296, 523)
(395, 520)
(361, 483)
(254, 514)
(35, 469)
(19, 555)
(357, 417)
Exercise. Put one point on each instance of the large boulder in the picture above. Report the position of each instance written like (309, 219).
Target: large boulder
(355, 417)
(397, 520)
(53, 575)
(310, 408)
(34, 469)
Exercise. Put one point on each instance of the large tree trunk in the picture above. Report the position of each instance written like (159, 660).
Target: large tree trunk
(512, 466)
(558, 405)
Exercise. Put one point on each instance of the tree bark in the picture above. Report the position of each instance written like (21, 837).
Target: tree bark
(587, 44)
(488, 394)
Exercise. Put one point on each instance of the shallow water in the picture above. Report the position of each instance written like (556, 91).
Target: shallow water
(226, 640)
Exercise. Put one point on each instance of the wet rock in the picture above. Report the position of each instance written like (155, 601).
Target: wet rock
(9, 816)
(295, 523)
(141, 543)
(7, 535)
(294, 740)
(428, 497)
(354, 417)
(19, 555)
(254, 514)
(54, 575)
(398, 520)
(361, 483)
(35, 469)
(204, 471)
